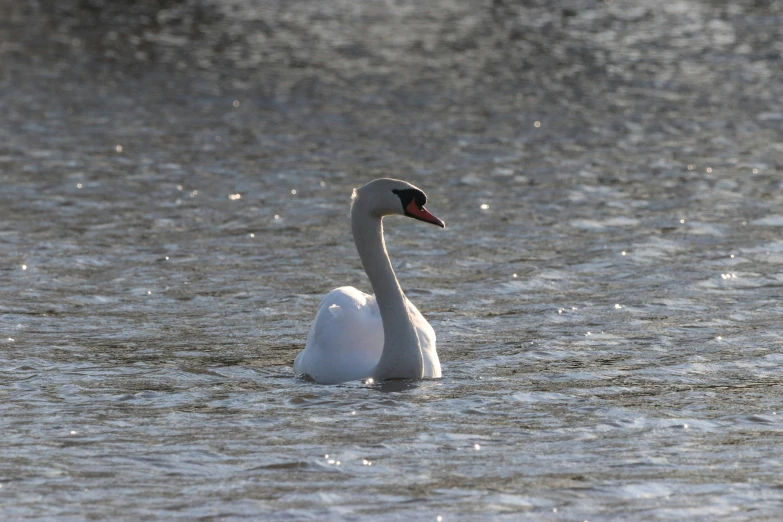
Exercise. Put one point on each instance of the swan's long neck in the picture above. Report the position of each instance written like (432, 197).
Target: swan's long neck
(401, 356)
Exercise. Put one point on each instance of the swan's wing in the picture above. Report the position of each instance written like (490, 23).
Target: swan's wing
(427, 341)
(346, 339)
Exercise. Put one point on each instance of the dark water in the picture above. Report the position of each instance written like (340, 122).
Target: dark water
(174, 188)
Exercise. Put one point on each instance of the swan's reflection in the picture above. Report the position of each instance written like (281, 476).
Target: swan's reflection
(393, 385)
(390, 385)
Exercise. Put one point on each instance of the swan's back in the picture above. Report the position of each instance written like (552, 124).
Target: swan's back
(346, 340)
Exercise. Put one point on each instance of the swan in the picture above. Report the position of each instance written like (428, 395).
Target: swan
(357, 336)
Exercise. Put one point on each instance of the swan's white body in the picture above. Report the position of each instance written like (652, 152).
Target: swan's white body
(356, 335)
(346, 340)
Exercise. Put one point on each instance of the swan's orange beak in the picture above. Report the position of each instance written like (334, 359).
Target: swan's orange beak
(422, 214)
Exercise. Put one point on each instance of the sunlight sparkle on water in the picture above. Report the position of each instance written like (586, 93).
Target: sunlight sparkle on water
(610, 176)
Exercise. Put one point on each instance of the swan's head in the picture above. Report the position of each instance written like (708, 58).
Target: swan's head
(387, 197)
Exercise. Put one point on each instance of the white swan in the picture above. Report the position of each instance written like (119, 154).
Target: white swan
(356, 335)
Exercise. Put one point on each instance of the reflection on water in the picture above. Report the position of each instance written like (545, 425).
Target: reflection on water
(176, 181)
(395, 385)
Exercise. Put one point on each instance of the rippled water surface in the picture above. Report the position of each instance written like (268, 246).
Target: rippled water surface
(174, 188)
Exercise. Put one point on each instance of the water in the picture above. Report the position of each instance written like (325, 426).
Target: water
(606, 295)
